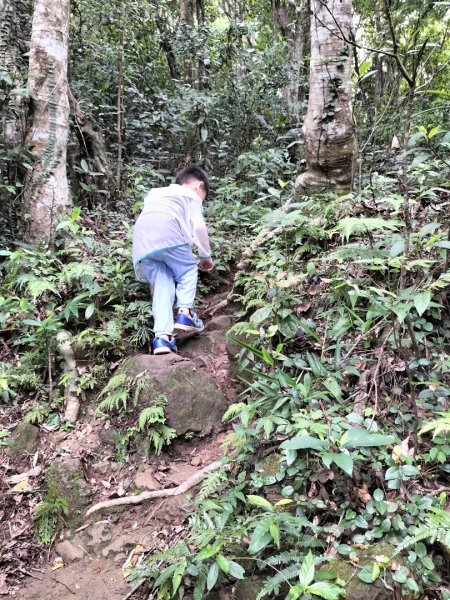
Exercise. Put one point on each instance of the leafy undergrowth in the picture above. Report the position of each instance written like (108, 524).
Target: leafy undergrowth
(340, 441)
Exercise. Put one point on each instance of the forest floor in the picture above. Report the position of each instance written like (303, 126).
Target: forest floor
(89, 562)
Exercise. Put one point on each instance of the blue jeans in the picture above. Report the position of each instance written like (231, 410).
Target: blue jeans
(171, 273)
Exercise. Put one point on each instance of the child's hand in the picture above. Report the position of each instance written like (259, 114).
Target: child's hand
(206, 264)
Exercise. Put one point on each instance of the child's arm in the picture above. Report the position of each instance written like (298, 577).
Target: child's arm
(201, 237)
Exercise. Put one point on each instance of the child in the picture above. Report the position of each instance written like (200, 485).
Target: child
(169, 224)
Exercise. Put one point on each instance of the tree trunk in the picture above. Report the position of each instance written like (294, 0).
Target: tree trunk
(47, 190)
(10, 51)
(291, 21)
(329, 127)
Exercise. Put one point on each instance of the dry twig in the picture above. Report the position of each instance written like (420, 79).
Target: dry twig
(164, 493)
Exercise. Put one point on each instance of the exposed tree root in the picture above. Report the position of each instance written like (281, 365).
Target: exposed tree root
(70, 367)
(164, 493)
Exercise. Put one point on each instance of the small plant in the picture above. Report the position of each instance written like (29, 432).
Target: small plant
(122, 393)
(50, 512)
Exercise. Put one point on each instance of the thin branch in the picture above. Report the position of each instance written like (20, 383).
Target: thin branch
(164, 493)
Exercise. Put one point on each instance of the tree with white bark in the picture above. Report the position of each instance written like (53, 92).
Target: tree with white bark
(47, 191)
(329, 127)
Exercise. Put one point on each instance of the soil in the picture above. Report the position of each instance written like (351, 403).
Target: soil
(86, 563)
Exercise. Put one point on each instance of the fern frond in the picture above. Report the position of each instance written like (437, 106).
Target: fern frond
(172, 554)
(359, 225)
(141, 384)
(283, 558)
(199, 589)
(77, 271)
(272, 585)
(160, 436)
(211, 483)
(354, 252)
(117, 381)
(233, 410)
(150, 415)
(437, 425)
(36, 287)
(435, 529)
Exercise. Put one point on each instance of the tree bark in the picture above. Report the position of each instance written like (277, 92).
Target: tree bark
(12, 127)
(47, 190)
(329, 127)
(292, 20)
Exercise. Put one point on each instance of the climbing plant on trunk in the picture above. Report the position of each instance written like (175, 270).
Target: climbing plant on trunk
(329, 127)
(47, 190)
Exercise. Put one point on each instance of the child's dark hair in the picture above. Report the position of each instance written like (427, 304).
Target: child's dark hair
(193, 172)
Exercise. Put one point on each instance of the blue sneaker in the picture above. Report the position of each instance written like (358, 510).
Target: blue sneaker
(189, 322)
(162, 346)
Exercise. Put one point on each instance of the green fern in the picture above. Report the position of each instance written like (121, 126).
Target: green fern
(435, 529)
(212, 483)
(272, 584)
(48, 514)
(233, 410)
(116, 392)
(354, 252)
(284, 558)
(359, 225)
(199, 589)
(159, 436)
(38, 413)
(437, 425)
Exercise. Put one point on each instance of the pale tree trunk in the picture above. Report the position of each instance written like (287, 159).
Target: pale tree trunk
(10, 51)
(292, 20)
(47, 190)
(187, 10)
(329, 127)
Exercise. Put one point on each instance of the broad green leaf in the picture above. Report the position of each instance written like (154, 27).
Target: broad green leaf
(260, 537)
(261, 315)
(361, 438)
(213, 574)
(203, 134)
(177, 577)
(89, 310)
(275, 533)
(433, 132)
(333, 386)
(304, 442)
(422, 302)
(259, 501)
(326, 590)
(236, 570)
(344, 462)
(366, 574)
(327, 458)
(207, 552)
(223, 563)
(32, 322)
(307, 570)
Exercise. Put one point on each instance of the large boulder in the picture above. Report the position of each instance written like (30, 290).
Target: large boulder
(195, 403)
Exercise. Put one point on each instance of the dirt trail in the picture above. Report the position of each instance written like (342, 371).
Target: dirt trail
(93, 556)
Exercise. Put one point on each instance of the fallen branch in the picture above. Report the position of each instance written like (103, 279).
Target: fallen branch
(72, 400)
(212, 311)
(164, 493)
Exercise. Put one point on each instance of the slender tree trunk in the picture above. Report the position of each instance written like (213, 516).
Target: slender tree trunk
(11, 127)
(293, 22)
(120, 104)
(187, 12)
(329, 127)
(47, 189)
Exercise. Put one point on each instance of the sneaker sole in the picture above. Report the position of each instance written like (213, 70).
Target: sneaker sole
(188, 327)
(163, 351)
